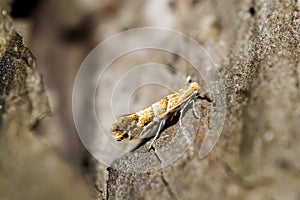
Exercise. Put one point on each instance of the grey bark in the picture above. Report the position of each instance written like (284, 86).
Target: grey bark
(256, 46)
(29, 168)
(256, 156)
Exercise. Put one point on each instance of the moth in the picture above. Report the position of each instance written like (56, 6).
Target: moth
(137, 125)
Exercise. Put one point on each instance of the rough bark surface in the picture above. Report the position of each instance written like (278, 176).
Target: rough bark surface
(256, 156)
(254, 43)
(29, 168)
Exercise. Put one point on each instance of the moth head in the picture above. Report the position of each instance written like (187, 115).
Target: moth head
(190, 82)
(188, 79)
(195, 86)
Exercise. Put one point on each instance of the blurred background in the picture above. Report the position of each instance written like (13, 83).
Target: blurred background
(61, 34)
(254, 44)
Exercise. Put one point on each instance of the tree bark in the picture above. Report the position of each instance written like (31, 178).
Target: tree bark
(254, 43)
(256, 155)
(29, 168)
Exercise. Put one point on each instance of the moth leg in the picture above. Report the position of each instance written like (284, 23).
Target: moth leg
(194, 109)
(143, 133)
(161, 124)
(181, 112)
